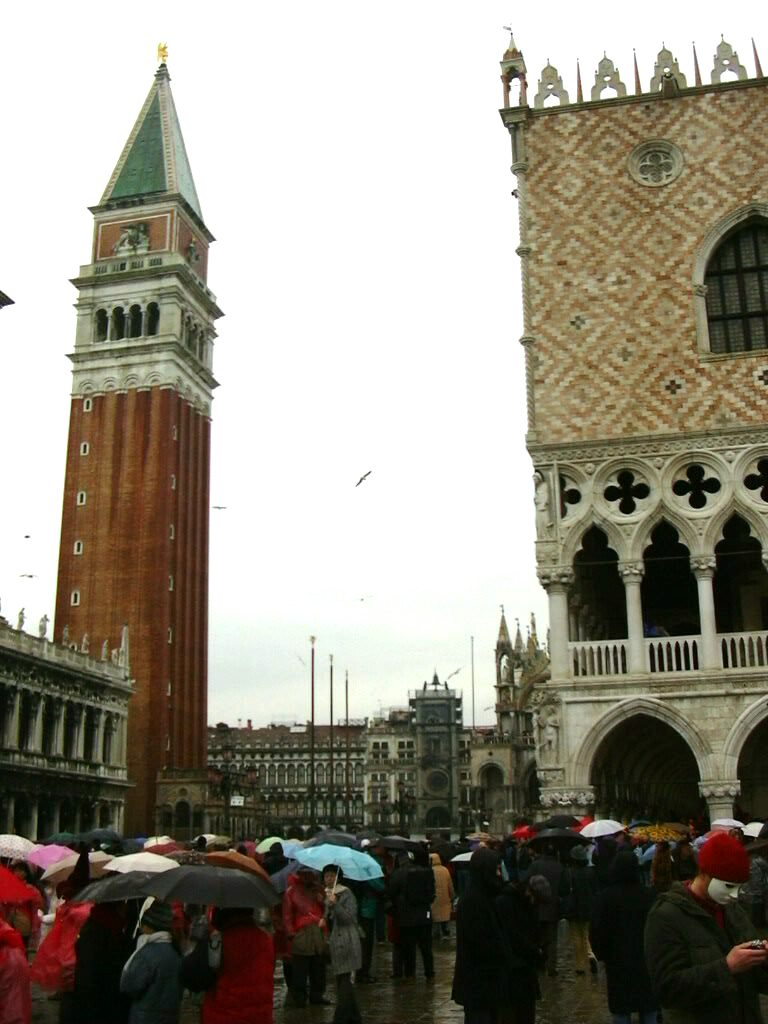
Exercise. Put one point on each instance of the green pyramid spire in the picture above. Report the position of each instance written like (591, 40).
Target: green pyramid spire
(154, 160)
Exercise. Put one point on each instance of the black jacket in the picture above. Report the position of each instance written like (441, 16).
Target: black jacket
(480, 971)
(685, 950)
(616, 933)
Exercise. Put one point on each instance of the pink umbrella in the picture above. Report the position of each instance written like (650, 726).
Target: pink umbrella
(44, 856)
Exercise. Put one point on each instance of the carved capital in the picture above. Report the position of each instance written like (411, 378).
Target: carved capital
(700, 290)
(632, 571)
(703, 565)
(555, 575)
(565, 798)
(720, 789)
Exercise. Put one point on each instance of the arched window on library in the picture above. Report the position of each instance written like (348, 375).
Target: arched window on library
(102, 325)
(737, 290)
(118, 323)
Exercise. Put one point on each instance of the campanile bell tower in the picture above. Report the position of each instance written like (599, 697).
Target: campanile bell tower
(134, 536)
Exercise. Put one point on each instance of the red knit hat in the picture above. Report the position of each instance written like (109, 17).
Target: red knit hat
(723, 857)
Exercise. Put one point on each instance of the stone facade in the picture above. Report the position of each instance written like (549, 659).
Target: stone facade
(63, 716)
(644, 259)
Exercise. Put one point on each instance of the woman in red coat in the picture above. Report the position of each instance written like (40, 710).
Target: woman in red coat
(243, 993)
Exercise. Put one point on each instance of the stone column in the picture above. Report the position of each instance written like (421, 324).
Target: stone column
(632, 574)
(10, 804)
(98, 740)
(709, 654)
(58, 731)
(12, 730)
(56, 815)
(78, 817)
(720, 796)
(36, 723)
(556, 581)
(31, 832)
(79, 752)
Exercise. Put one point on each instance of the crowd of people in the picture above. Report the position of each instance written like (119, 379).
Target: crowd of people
(678, 930)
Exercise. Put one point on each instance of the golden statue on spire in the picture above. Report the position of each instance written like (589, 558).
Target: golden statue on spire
(162, 53)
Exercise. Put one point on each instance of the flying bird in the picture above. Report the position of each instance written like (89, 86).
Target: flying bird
(363, 477)
(220, 507)
(27, 576)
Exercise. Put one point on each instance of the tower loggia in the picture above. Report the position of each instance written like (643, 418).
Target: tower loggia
(134, 537)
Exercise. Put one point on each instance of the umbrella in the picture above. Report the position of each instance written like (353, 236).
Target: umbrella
(677, 826)
(233, 859)
(601, 827)
(280, 878)
(44, 856)
(656, 833)
(266, 844)
(522, 832)
(64, 838)
(219, 841)
(157, 841)
(63, 869)
(753, 828)
(399, 843)
(557, 821)
(218, 887)
(558, 835)
(163, 848)
(358, 866)
(114, 888)
(144, 861)
(480, 837)
(638, 821)
(12, 889)
(727, 823)
(15, 847)
(462, 857)
(99, 835)
(333, 837)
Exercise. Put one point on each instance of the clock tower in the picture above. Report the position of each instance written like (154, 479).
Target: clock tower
(134, 537)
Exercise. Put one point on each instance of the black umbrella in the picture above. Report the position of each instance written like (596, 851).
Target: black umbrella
(115, 887)
(99, 835)
(218, 887)
(399, 843)
(559, 836)
(557, 821)
(335, 837)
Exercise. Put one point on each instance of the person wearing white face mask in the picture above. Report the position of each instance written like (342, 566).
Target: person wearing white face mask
(706, 961)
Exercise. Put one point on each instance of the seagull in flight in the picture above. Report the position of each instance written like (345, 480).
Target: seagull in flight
(220, 507)
(27, 576)
(363, 477)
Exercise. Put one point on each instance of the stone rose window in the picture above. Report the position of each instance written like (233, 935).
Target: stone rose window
(655, 163)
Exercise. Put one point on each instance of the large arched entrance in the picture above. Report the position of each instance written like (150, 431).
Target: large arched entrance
(645, 769)
(753, 773)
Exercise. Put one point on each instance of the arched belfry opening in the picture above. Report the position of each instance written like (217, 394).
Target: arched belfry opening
(645, 769)
(670, 597)
(741, 583)
(597, 606)
(753, 773)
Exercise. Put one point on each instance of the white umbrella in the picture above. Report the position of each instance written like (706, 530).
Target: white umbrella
(157, 841)
(15, 847)
(63, 869)
(753, 829)
(462, 856)
(602, 827)
(144, 861)
(727, 823)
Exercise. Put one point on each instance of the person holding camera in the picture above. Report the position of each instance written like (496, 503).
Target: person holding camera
(705, 961)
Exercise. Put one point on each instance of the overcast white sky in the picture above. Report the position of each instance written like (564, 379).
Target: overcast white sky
(350, 160)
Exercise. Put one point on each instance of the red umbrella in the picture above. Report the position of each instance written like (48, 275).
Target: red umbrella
(12, 889)
(523, 832)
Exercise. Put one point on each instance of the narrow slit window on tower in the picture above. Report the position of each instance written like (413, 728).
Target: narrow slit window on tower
(170, 634)
(170, 582)
(78, 548)
(84, 447)
(81, 496)
(173, 481)
(737, 291)
(172, 532)
(87, 404)
(175, 432)
(74, 598)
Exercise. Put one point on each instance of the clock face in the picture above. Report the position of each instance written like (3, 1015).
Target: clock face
(437, 781)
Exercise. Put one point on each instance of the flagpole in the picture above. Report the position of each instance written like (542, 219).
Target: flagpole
(472, 650)
(331, 795)
(346, 766)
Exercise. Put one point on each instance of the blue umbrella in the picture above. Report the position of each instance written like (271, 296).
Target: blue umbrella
(356, 865)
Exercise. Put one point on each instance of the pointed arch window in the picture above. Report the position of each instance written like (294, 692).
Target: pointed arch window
(737, 290)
